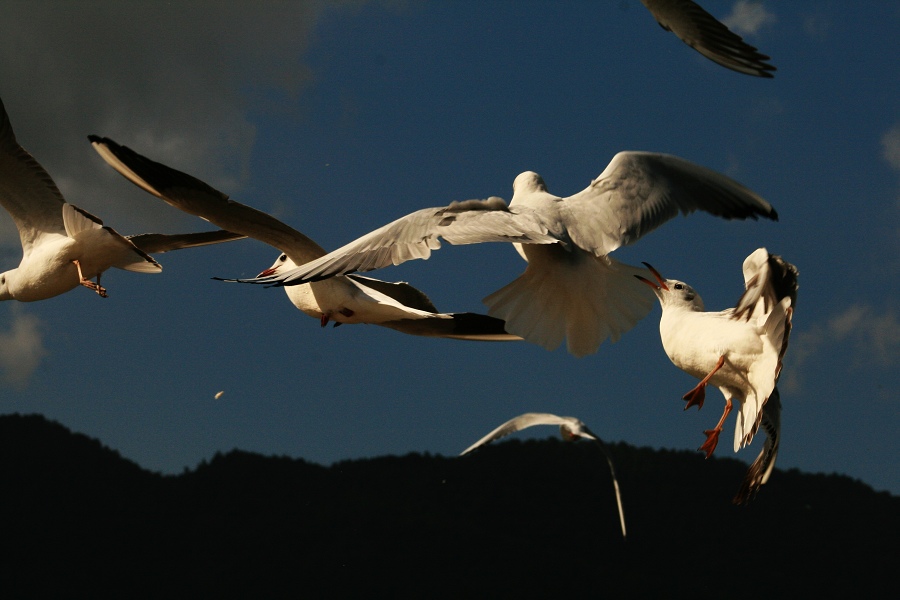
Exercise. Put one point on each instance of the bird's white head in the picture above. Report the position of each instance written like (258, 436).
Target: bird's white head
(527, 183)
(5, 294)
(672, 293)
(281, 264)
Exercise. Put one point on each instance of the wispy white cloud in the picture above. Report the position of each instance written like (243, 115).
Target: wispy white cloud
(860, 332)
(748, 17)
(21, 348)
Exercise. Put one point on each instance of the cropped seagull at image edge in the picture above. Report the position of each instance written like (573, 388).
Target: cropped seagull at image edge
(570, 428)
(352, 299)
(739, 350)
(705, 34)
(64, 246)
(571, 289)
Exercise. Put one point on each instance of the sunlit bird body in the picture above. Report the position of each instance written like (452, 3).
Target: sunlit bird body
(570, 428)
(353, 299)
(572, 289)
(64, 246)
(738, 350)
(708, 36)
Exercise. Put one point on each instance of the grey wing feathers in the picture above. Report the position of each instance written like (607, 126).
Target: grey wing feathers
(157, 243)
(708, 36)
(639, 191)
(417, 234)
(195, 197)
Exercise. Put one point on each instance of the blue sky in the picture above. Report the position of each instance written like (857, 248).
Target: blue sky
(338, 118)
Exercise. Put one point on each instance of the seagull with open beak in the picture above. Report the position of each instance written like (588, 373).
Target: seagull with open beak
(739, 350)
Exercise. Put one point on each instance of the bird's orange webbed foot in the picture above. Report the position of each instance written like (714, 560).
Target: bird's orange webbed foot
(695, 397)
(712, 439)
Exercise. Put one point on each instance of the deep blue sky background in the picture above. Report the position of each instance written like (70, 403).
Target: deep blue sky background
(339, 118)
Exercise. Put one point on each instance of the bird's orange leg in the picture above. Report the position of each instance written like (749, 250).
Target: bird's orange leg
(712, 435)
(698, 394)
(101, 291)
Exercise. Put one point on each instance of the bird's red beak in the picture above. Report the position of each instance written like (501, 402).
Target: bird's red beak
(267, 272)
(659, 279)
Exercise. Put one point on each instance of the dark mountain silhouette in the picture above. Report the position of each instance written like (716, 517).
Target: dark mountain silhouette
(530, 519)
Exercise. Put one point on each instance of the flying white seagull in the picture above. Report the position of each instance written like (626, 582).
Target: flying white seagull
(739, 350)
(352, 299)
(570, 428)
(702, 32)
(64, 246)
(571, 288)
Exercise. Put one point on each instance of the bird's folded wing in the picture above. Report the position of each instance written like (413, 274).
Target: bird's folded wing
(708, 36)
(639, 191)
(195, 197)
(417, 234)
(768, 279)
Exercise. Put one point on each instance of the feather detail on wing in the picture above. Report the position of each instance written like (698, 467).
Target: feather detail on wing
(708, 36)
(639, 191)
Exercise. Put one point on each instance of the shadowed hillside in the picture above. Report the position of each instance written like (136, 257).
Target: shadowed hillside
(534, 518)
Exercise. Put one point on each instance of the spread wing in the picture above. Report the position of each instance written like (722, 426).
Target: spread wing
(195, 197)
(639, 191)
(708, 36)
(514, 425)
(417, 234)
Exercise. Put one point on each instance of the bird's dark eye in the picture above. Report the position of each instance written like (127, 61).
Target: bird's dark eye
(283, 257)
(678, 286)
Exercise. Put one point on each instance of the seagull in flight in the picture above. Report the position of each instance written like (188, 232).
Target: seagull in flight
(64, 246)
(572, 289)
(705, 34)
(351, 299)
(739, 350)
(570, 428)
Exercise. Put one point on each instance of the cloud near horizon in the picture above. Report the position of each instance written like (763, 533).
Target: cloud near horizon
(21, 347)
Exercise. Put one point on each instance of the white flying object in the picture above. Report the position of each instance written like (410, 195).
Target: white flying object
(571, 288)
(702, 32)
(570, 428)
(64, 246)
(738, 350)
(352, 299)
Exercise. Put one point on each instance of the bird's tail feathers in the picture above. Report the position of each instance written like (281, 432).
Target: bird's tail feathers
(584, 301)
(762, 467)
